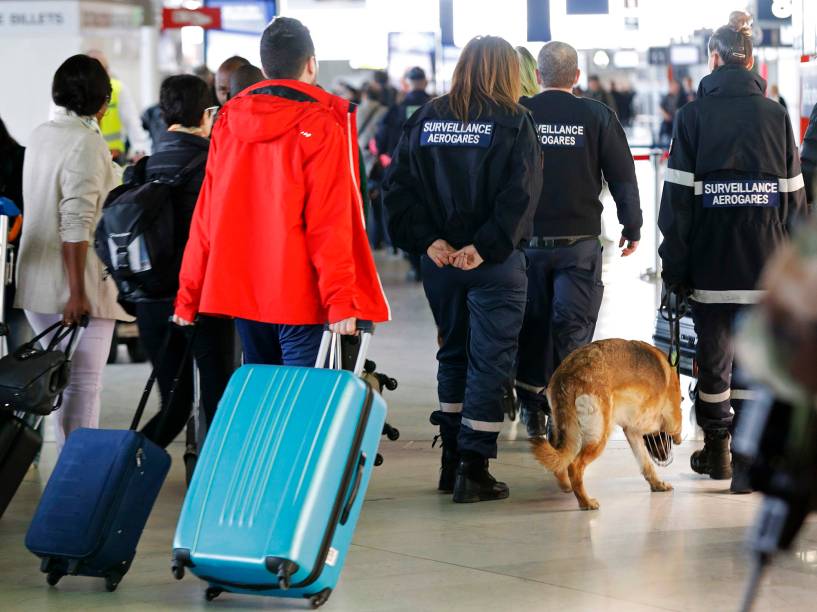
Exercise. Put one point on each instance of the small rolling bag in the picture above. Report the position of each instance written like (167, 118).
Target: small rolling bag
(99, 497)
(280, 481)
(687, 341)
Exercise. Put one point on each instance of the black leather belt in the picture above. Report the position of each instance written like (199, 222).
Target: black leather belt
(537, 242)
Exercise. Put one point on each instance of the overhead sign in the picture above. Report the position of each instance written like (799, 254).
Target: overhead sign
(38, 18)
(207, 18)
(33, 18)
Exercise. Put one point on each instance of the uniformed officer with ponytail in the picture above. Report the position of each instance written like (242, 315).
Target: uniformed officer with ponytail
(462, 190)
(583, 145)
(732, 191)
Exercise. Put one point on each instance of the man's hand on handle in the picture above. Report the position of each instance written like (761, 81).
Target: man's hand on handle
(632, 245)
(346, 327)
(182, 322)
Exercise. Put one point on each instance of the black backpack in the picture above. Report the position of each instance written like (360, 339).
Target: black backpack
(136, 237)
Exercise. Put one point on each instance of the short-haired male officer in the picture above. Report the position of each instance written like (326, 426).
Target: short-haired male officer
(584, 145)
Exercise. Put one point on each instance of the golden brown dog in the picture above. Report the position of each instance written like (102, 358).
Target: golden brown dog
(608, 383)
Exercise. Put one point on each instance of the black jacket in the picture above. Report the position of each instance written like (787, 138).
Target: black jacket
(476, 183)
(808, 155)
(174, 151)
(391, 126)
(732, 188)
(583, 145)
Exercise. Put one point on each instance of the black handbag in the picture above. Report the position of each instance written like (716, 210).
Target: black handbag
(32, 379)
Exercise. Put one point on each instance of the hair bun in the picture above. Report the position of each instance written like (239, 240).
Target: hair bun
(741, 21)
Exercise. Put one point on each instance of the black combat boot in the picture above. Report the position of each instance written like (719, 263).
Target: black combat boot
(474, 482)
(450, 455)
(741, 480)
(535, 419)
(534, 412)
(714, 458)
(448, 470)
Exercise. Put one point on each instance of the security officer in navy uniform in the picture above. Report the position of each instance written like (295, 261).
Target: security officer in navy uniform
(462, 190)
(391, 128)
(732, 191)
(584, 145)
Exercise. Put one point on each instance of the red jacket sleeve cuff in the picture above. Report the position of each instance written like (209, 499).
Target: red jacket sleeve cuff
(339, 312)
(186, 312)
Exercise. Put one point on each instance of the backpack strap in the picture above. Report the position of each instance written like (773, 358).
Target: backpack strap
(137, 173)
(183, 175)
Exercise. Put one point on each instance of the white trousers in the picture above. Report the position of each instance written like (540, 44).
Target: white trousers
(81, 398)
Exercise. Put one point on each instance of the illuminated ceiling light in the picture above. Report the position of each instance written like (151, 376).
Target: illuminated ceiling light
(601, 59)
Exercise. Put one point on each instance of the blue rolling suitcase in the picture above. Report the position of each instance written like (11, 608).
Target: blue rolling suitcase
(99, 497)
(280, 481)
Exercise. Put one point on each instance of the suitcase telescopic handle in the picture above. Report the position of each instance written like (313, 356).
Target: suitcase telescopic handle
(347, 509)
(330, 347)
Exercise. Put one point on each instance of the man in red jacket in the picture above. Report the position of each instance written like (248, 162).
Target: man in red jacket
(278, 239)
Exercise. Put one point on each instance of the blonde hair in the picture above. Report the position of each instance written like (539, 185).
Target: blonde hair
(527, 72)
(486, 76)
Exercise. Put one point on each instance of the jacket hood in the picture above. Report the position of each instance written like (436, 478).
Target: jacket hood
(269, 109)
(732, 81)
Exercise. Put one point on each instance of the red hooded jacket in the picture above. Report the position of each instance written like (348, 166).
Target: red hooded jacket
(278, 233)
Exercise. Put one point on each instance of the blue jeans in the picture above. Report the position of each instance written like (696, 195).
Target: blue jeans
(275, 344)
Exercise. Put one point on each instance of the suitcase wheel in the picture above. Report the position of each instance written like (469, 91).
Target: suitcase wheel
(178, 571)
(53, 578)
(378, 460)
(111, 582)
(212, 592)
(319, 599)
(392, 433)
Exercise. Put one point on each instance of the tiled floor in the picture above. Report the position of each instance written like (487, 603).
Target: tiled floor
(415, 550)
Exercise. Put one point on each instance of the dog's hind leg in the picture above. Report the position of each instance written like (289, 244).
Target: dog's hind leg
(576, 474)
(636, 440)
(564, 481)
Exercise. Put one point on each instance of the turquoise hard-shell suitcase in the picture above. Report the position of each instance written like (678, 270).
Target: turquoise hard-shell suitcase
(280, 482)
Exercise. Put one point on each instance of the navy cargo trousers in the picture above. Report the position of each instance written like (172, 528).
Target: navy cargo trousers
(722, 387)
(479, 315)
(564, 298)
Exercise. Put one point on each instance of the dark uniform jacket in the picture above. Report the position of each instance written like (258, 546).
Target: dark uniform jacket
(583, 145)
(732, 188)
(808, 155)
(474, 183)
(391, 126)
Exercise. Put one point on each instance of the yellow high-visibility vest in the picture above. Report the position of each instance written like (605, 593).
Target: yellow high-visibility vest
(111, 124)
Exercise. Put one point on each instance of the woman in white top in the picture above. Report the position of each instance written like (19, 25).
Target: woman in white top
(67, 174)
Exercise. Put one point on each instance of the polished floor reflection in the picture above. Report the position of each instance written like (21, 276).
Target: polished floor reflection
(415, 550)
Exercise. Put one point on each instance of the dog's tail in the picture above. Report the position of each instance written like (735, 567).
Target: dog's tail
(566, 432)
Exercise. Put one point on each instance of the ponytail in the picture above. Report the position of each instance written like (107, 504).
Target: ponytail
(733, 42)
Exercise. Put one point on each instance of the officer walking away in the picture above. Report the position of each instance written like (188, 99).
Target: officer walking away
(732, 191)
(462, 191)
(583, 145)
(121, 125)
